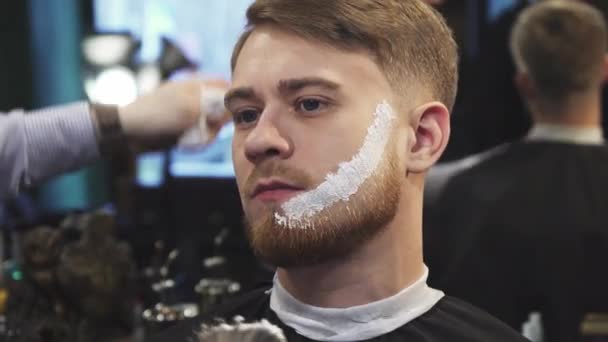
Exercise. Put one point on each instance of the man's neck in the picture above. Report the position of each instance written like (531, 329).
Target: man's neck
(385, 265)
(582, 110)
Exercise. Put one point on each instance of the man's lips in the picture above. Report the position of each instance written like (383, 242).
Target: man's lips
(274, 190)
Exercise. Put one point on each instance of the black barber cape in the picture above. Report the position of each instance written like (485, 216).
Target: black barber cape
(450, 320)
(526, 230)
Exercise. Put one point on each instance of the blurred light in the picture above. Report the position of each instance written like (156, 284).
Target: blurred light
(201, 169)
(3, 305)
(108, 49)
(116, 85)
(150, 169)
(108, 209)
(17, 275)
(497, 7)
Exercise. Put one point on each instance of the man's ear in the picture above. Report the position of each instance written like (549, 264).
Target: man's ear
(524, 85)
(431, 125)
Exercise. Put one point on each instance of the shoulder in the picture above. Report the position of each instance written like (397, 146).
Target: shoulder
(519, 164)
(523, 155)
(441, 175)
(496, 160)
(452, 319)
(504, 168)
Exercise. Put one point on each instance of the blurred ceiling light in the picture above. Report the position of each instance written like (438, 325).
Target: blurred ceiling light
(107, 49)
(116, 85)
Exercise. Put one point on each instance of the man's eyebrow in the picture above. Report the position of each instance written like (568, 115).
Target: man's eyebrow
(293, 85)
(285, 87)
(242, 93)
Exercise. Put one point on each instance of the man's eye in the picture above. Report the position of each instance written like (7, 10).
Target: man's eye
(310, 105)
(246, 116)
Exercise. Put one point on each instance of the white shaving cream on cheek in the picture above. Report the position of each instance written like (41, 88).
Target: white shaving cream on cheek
(345, 182)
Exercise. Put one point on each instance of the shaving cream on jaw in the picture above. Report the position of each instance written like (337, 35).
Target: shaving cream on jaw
(346, 181)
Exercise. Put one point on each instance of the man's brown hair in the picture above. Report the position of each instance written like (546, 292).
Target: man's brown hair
(407, 38)
(561, 46)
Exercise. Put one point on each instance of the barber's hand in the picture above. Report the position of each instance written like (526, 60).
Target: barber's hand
(164, 114)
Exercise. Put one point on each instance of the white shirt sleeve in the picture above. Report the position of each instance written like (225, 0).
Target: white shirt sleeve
(40, 144)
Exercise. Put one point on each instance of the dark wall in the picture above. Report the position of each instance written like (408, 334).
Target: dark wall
(16, 88)
(15, 66)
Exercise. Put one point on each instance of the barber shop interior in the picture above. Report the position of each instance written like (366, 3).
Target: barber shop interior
(303, 170)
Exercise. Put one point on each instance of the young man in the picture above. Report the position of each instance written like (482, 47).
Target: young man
(340, 108)
(528, 220)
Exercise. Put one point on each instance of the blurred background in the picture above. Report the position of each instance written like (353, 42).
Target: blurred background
(172, 218)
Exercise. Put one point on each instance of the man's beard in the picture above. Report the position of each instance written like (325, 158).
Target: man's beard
(337, 230)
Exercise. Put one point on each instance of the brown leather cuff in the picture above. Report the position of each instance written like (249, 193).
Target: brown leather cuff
(110, 136)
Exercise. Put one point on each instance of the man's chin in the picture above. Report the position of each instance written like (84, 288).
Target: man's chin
(293, 247)
(285, 256)
(334, 233)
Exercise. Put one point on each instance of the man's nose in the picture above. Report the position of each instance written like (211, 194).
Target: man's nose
(266, 140)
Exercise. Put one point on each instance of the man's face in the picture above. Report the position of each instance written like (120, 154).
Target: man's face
(303, 111)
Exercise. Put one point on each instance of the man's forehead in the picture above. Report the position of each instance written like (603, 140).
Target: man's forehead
(270, 34)
(272, 54)
(271, 49)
